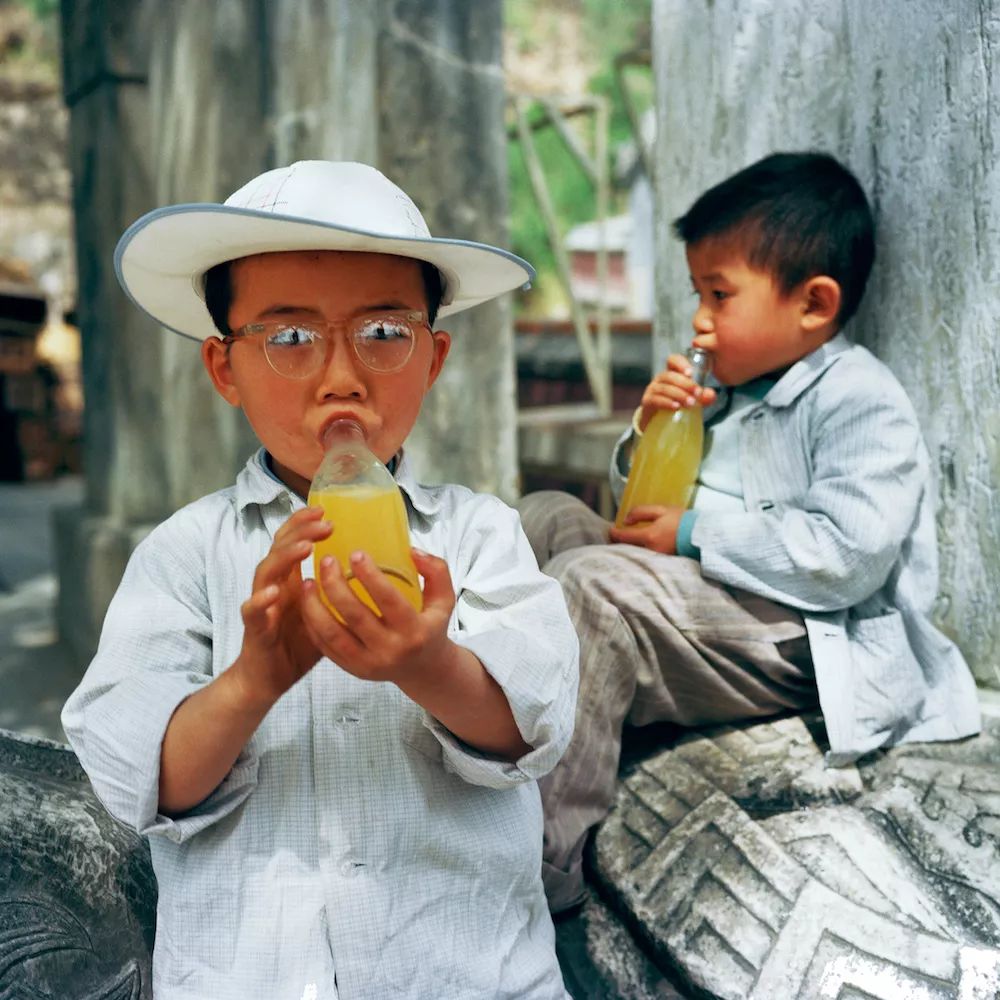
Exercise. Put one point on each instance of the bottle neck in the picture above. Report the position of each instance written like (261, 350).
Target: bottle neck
(343, 432)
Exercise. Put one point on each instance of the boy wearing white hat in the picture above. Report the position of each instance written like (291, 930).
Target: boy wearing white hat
(333, 809)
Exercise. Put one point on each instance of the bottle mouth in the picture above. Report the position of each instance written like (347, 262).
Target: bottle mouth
(342, 430)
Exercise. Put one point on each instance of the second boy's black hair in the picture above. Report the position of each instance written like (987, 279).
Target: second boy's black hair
(219, 293)
(796, 215)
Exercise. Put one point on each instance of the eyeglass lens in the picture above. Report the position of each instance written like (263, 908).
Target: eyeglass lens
(383, 344)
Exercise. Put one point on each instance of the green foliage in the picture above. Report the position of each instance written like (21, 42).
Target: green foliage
(42, 9)
(610, 28)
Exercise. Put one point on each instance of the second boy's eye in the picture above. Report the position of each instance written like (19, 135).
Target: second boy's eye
(719, 295)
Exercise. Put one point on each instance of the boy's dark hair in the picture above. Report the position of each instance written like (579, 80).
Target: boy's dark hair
(219, 293)
(797, 215)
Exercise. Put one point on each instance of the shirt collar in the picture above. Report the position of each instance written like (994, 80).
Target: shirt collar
(805, 371)
(257, 484)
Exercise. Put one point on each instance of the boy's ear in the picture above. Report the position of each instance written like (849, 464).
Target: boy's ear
(820, 302)
(215, 358)
(442, 345)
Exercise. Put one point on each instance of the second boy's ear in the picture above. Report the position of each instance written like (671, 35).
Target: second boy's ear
(215, 358)
(820, 302)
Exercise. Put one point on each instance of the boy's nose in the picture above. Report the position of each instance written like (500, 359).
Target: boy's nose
(702, 319)
(341, 375)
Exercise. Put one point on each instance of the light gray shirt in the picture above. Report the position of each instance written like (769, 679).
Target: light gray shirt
(838, 523)
(356, 848)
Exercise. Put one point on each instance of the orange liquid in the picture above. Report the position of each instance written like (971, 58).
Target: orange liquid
(666, 461)
(373, 521)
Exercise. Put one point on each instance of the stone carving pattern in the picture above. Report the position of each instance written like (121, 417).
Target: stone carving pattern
(884, 887)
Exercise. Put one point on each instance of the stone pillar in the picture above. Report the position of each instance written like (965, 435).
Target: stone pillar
(906, 96)
(442, 138)
(208, 80)
(105, 65)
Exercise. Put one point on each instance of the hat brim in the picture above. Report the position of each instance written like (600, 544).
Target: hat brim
(161, 259)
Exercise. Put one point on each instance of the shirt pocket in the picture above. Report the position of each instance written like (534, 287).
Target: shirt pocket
(887, 679)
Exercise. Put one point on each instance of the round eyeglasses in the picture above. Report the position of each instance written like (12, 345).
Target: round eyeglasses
(382, 342)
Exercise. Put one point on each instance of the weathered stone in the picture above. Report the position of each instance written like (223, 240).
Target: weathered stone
(442, 138)
(77, 891)
(599, 959)
(755, 872)
(908, 95)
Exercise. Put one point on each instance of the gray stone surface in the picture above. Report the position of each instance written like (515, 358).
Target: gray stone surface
(908, 94)
(442, 137)
(77, 892)
(754, 872)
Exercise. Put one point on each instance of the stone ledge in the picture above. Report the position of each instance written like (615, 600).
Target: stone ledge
(745, 869)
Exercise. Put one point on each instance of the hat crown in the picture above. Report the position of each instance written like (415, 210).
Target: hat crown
(343, 194)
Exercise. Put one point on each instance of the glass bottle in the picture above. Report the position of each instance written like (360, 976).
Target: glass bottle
(361, 500)
(666, 460)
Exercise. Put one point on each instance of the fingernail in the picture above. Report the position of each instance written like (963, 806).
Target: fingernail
(357, 558)
(690, 401)
(326, 562)
(419, 552)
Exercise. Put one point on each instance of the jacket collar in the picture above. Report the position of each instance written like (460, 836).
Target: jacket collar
(805, 371)
(258, 486)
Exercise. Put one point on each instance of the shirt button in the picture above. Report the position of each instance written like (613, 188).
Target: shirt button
(350, 867)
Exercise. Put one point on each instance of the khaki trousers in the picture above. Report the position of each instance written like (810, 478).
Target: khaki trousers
(658, 643)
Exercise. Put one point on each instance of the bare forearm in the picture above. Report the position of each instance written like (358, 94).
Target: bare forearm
(463, 697)
(203, 739)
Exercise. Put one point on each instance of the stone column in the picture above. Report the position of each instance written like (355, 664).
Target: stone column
(442, 138)
(105, 65)
(906, 95)
(208, 79)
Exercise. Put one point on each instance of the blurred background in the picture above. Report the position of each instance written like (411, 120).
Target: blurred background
(572, 131)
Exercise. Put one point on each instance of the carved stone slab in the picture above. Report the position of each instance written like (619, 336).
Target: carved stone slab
(754, 872)
(77, 892)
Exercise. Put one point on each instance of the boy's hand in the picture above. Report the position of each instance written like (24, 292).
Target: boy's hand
(277, 649)
(651, 527)
(400, 644)
(671, 389)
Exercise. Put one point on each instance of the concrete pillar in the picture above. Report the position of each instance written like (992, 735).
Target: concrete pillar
(208, 82)
(105, 65)
(906, 95)
(442, 137)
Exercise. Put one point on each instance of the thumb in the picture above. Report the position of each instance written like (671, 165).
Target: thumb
(438, 588)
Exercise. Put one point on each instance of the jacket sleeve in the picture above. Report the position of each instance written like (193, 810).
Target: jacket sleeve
(836, 545)
(155, 651)
(514, 619)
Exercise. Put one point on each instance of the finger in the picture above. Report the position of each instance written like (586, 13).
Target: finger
(396, 611)
(357, 616)
(254, 608)
(280, 563)
(302, 523)
(328, 635)
(645, 512)
(439, 591)
(679, 363)
(628, 536)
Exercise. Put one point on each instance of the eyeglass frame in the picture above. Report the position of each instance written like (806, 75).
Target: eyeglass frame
(322, 328)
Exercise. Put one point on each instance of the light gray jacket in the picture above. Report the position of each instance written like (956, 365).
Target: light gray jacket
(839, 524)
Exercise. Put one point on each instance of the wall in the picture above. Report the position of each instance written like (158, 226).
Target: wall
(908, 95)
